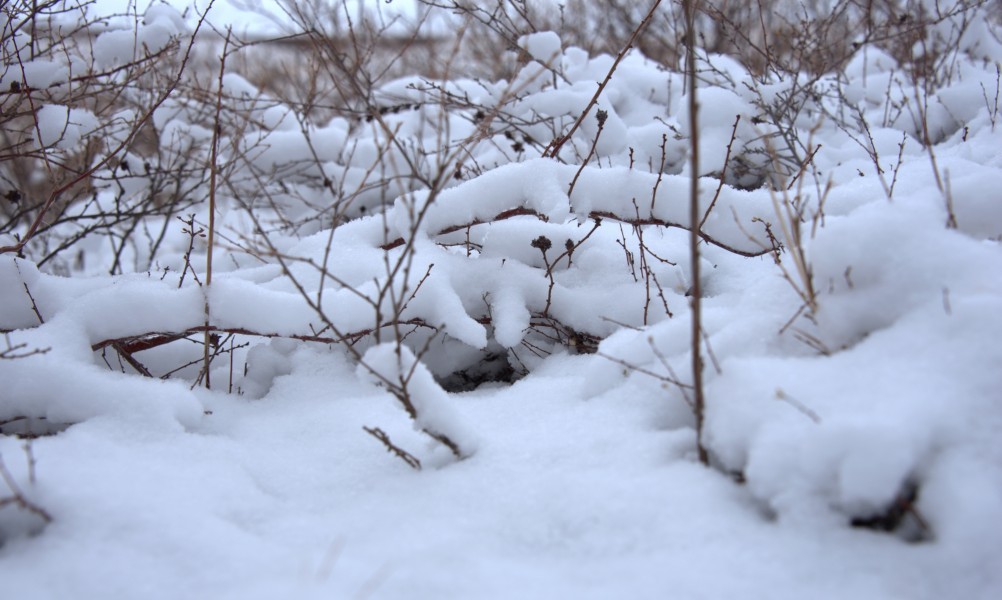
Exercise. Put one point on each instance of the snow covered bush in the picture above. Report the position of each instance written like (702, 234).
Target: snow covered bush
(508, 259)
(81, 160)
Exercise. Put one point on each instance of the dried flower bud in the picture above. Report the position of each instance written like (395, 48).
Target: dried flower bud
(542, 242)
(601, 115)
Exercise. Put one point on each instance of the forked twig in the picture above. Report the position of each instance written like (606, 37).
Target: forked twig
(411, 460)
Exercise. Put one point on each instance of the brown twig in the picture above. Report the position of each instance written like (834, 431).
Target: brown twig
(671, 378)
(698, 401)
(594, 215)
(213, 170)
(15, 351)
(147, 341)
(34, 306)
(723, 172)
(392, 448)
(125, 354)
(661, 170)
(553, 149)
(803, 167)
(17, 495)
(601, 117)
(543, 243)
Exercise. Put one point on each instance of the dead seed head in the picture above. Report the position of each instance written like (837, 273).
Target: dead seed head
(542, 242)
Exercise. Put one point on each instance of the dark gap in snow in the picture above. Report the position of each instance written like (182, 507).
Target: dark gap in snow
(493, 368)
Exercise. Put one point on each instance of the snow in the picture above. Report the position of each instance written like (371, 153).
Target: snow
(538, 369)
(64, 127)
(543, 46)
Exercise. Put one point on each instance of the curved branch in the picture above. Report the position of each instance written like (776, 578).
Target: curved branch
(594, 215)
(150, 340)
(636, 222)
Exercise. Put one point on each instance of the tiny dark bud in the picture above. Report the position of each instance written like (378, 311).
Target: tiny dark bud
(601, 115)
(15, 86)
(479, 116)
(542, 242)
(569, 245)
(13, 196)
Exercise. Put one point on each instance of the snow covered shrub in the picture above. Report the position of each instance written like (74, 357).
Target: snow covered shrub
(786, 129)
(81, 161)
(437, 234)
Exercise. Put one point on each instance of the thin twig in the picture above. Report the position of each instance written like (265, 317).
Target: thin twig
(602, 116)
(18, 496)
(723, 172)
(553, 150)
(213, 170)
(392, 448)
(699, 401)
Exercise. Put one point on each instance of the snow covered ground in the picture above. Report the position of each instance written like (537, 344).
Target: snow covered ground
(852, 315)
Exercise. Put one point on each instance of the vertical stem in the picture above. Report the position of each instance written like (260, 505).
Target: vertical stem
(689, 6)
(34, 32)
(213, 156)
